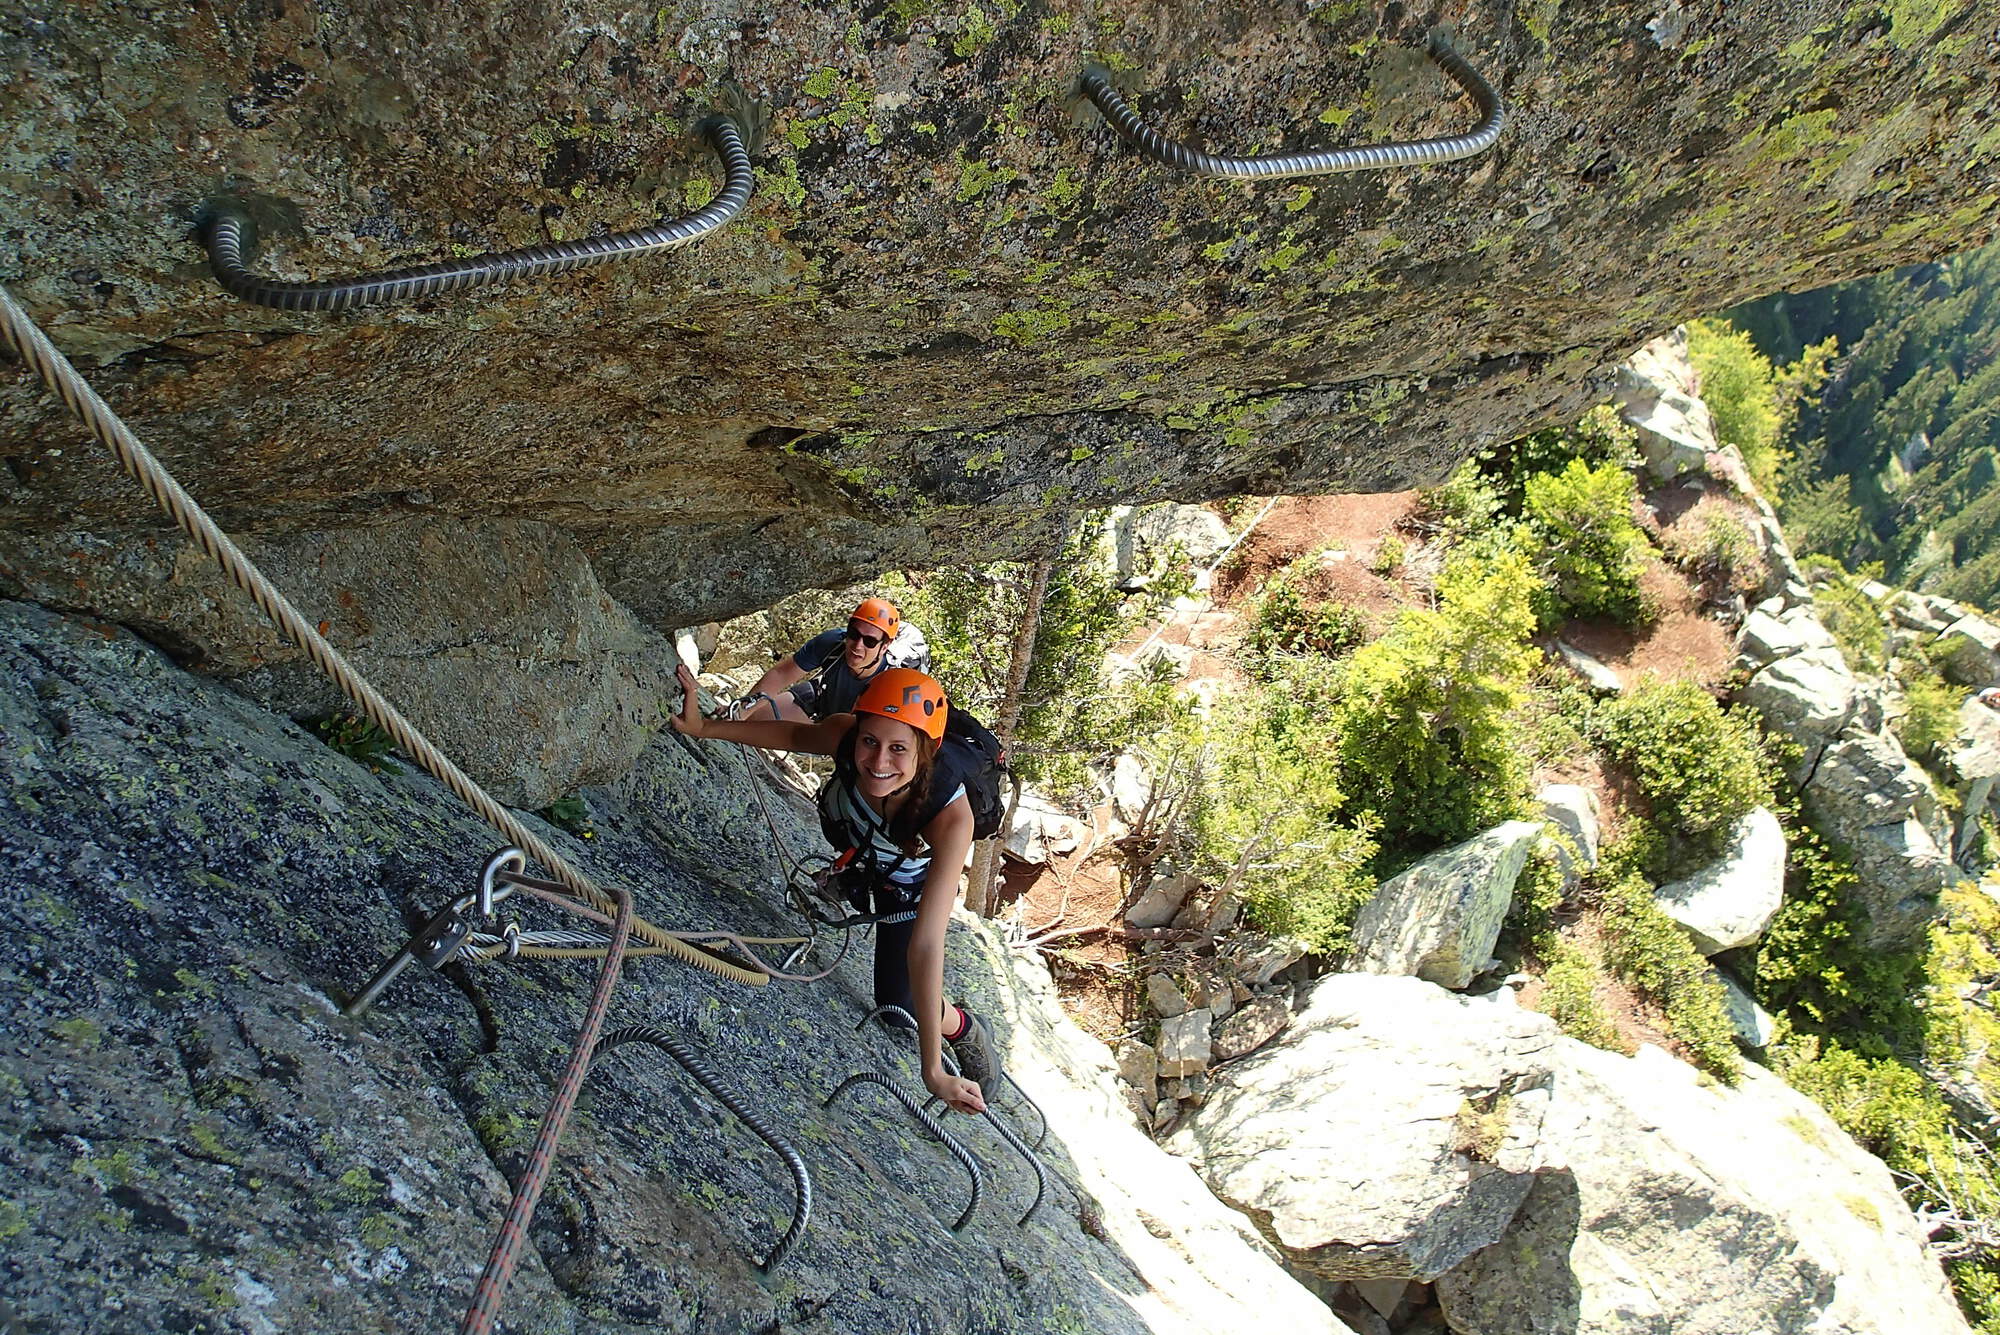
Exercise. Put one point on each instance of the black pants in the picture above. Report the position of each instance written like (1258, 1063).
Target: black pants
(868, 893)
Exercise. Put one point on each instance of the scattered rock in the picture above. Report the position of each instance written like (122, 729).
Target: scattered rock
(1968, 652)
(1676, 430)
(1041, 830)
(1731, 901)
(1162, 900)
(1386, 1296)
(1251, 1027)
(1572, 809)
(1596, 675)
(1141, 536)
(1164, 997)
(1753, 1024)
(1256, 960)
(1139, 1067)
(1184, 1046)
(1440, 918)
(1131, 787)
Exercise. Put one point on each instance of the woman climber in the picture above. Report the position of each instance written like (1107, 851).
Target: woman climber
(896, 808)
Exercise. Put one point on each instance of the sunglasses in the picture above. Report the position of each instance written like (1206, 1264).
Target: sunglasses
(867, 641)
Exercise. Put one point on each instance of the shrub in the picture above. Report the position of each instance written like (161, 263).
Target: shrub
(1814, 964)
(1648, 949)
(1851, 616)
(1585, 542)
(1269, 825)
(1288, 621)
(1930, 721)
(1598, 439)
(1389, 554)
(1538, 893)
(359, 739)
(1699, 768)
(1423, 730)
(1462, 505)
(1569, 994)
(1739, 385)
(1715, 547)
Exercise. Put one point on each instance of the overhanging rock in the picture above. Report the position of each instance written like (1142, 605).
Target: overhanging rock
(954, 304)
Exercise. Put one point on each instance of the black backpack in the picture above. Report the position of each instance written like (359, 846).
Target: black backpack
(982, 776)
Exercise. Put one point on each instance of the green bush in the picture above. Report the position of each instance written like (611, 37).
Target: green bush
(1599, 439)
(1930, 722)
(1715, 547)
(1424, 733)
(1585, 543)
(1648, 949)
(1814, 965)
(1270, 819)
(1569, 994)
(1740, 387)
(1699, 768)
(1851, 616)
(1464, 504)
(359, 739)
(1287, 621)
(1389, 556)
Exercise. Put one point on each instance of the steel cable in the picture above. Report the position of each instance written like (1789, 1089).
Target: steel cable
(231, 237)
(25, 338)
(1095, 83)
(708, 1080)
(34, 348)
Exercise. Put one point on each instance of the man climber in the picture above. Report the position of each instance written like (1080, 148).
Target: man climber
(827, 674)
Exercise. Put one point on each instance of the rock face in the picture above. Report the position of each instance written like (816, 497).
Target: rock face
(1731, 901)
(1393, 1125)
(956, 301)
(195, 1132)
(1141, 538)
(495, 639)
(1655, 394)
(1440, 918)
(1674, 1205)
(1854, 779)
(1388, 1133)
(1969, 651)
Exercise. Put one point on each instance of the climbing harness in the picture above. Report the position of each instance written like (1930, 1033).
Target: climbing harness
(231, 237)
(708, 1080)
(1095, 83)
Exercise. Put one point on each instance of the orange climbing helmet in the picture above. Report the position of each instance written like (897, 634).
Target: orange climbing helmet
(879, 613)
(908, 696)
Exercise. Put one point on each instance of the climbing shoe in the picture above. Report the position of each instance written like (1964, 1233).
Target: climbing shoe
(978, 1060)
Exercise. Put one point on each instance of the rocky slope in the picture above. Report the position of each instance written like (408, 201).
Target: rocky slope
(955, 298)
(192, 1139)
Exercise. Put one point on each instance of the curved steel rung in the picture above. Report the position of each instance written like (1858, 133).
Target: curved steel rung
(930, 1124)
(1020, 1147)
(694, 1066)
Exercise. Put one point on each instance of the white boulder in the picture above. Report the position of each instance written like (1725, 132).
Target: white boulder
(1439, 919)
(1690, 1208)
(1731, 901)
(1388, 1133)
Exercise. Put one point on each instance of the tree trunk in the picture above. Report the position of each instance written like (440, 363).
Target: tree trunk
(982, 890)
